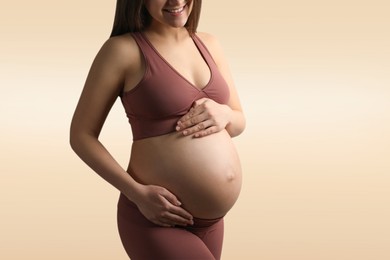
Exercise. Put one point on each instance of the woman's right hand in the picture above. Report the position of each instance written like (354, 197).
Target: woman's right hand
(162, 207)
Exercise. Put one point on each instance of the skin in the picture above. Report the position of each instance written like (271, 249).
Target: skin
(119, 66)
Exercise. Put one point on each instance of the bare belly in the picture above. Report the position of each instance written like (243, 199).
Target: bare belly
(204, 173)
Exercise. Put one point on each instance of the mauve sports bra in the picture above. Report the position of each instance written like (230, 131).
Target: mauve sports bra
(163, 96)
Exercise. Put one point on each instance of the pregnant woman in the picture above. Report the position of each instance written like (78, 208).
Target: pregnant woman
(184, 174)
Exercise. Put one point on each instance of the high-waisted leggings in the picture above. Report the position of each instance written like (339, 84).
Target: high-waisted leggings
(144, 240)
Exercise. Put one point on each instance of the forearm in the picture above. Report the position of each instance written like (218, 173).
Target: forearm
(236, 124)
(95, 155)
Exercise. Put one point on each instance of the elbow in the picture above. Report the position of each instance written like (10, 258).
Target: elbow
(79, 140)
(81, 136)
(78, 144)
(241, 129)
(237, 132)
(73, 141)
(237, 128)
(76, 139)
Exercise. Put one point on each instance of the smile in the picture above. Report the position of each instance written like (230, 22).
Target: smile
(175, 10)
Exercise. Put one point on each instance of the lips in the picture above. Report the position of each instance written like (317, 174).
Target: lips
(176, 10)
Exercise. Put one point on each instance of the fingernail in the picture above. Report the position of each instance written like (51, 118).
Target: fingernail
(178, 203)
(177, 128)
(185, 132)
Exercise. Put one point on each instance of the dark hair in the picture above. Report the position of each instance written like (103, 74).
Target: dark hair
(132, 16)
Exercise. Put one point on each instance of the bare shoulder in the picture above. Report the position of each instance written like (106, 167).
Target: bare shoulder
(213, 45)
(207, 37)
(122, 44)
(209, 40)
(119, 51)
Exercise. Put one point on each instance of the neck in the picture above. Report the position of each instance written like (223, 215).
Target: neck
(167, 32)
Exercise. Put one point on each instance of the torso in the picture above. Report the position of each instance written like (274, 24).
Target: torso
(204, 173)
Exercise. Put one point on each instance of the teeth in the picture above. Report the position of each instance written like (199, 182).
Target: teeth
(175, 11)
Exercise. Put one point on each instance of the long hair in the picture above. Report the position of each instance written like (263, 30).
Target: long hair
(132, 16)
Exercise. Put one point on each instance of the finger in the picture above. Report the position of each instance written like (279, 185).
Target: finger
(173, 205)
(198, 127)
(174, 220)
(206, 132)
(200, 102)
(194, 111)
(160, 220)
(195, 121)
(172, 199)
(181, 213)
(171, 208)
(163, 219)
(160, 223)
(194, 116)
(173, 216)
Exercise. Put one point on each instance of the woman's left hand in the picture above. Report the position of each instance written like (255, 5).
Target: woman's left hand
(204, 118)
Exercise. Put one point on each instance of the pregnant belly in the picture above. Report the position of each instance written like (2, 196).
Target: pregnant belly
(204, 173)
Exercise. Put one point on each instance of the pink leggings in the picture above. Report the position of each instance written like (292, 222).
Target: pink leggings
(144, 240)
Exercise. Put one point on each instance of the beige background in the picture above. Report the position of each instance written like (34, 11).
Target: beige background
(314, 80)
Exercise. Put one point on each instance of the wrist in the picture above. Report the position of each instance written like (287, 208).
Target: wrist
(134, 192)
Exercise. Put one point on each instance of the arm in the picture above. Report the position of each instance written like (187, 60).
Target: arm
(115, 61)
(101, 89)
(206, 116)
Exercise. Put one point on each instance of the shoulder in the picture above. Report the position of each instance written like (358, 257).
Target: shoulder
(119, 51)
(209, 40)
(122, 44)
(213, 45)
